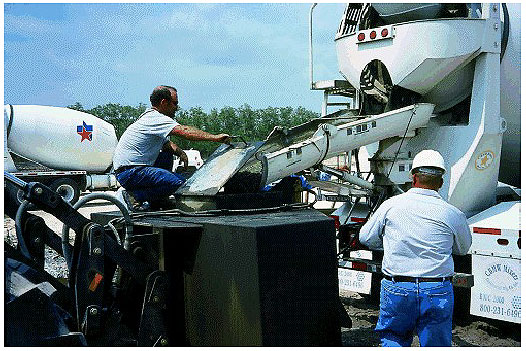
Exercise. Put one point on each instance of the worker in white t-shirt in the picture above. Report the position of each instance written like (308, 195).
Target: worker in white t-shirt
(143, 157)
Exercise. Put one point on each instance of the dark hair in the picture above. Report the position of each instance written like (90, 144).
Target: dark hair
(431, 180)
(161, 92)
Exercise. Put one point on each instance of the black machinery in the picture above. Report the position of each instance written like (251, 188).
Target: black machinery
(247, 269)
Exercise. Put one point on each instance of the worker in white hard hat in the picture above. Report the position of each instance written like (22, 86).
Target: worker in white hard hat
(418, 232)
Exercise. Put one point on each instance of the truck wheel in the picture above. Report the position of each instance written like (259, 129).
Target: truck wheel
(20, 199)
(15, 196)
(67, 188)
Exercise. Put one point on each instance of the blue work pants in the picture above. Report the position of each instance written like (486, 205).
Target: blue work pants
(151, 183)
(406, 306)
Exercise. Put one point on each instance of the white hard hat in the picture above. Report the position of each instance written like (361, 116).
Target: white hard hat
(429, 161)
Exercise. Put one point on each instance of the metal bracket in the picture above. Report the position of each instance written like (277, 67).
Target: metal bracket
(89, 279)
(48, 200)
(35, 239)
(152, 329)
(91, 324)
(503, 125)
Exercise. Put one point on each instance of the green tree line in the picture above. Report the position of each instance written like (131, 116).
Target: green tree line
(251, 124)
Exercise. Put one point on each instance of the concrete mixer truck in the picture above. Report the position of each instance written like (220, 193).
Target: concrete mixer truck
(68, 150)
(464, 60)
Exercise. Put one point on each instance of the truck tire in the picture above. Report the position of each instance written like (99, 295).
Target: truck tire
(15, 196)
(67, 188)
(20, 199)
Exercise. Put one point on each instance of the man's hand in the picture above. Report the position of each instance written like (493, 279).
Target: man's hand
(182, 157)
(223, 138)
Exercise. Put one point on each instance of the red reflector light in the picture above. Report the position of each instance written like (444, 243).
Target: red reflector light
(359, 266)
(490, 231)
(336, 221)
(519, 243)
(357, 219)
(361, 37)
(384, 32)
(372, 35)
(502, 242)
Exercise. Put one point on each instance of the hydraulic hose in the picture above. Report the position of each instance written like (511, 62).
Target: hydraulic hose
(90, 197)
(401, 142)
(18, 229)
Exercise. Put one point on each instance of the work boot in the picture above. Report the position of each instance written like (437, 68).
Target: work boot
(142, 207)
(128, 200)
(162, 204)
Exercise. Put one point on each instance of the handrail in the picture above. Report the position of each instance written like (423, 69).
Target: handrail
(310, 46)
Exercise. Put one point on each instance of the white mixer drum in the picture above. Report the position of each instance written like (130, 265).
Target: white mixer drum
(61, 138)
(435, 58)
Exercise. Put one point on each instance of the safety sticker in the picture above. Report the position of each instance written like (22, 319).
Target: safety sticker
(95, 281)
(484, 160)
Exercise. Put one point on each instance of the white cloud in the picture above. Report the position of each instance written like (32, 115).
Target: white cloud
(27, 25)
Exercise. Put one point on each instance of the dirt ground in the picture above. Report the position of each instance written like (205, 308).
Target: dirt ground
(363, 311)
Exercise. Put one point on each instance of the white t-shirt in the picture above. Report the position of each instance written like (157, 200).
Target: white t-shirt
(142, 141)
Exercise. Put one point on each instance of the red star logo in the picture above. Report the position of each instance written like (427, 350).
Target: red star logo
(85, 131)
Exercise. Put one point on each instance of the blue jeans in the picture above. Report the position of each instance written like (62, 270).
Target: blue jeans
(426, 307)
(151, 183)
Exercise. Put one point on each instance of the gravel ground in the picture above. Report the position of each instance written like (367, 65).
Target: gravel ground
(363, 311)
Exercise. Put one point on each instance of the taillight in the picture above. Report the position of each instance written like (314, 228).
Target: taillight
(359, 266)
(336, 221)
(489, 231)
(375, 34)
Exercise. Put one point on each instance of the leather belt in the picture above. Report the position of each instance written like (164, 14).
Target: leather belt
(401, 278)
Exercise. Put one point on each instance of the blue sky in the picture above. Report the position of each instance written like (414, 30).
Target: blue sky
(215, 54)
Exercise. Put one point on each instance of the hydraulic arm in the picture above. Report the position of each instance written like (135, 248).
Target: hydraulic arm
(97, 264)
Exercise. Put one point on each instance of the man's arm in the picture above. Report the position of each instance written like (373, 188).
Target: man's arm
(177, 151)
(371, 232)
(193, 133)
(462, 239)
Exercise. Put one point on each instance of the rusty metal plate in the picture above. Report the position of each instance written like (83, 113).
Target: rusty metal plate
(219, 168)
